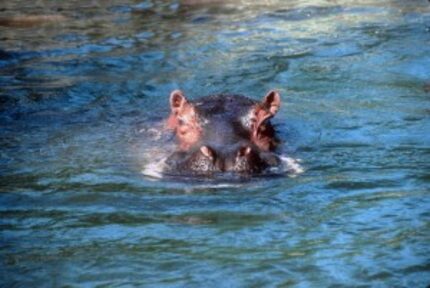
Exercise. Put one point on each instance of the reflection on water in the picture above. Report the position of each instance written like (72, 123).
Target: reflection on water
(84, 87)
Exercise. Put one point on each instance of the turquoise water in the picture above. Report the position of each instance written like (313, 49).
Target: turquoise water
(82, 98)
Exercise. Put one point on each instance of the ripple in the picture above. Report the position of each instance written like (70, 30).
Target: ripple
(81, 108)
(305, 13)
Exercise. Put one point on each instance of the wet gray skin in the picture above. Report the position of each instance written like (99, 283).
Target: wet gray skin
(225, 144)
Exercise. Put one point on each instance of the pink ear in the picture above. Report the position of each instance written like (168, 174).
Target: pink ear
(177, 104)
(262, 134)
(272, 102)
(184, 121)
(267, 108)
(177, 101)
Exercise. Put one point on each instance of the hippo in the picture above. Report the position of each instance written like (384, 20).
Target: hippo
(223, 133)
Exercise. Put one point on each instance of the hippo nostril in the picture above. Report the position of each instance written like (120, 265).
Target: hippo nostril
(244, 151)
(208, 152)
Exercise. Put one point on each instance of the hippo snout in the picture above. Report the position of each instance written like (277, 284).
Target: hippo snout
(207, 160)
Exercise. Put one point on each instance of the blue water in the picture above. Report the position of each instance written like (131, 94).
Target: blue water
(82, 96)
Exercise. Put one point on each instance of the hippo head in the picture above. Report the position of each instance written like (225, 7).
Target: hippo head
(223, 133)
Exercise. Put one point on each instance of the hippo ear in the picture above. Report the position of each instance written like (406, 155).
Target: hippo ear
(182, 110)
(266, 109)
(177, 101)
(262, 133)
(271, 103)
(183, 120)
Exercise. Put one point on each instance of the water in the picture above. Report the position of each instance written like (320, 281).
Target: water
(81, 91)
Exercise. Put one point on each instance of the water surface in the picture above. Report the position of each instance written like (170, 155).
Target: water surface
(82, 92)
